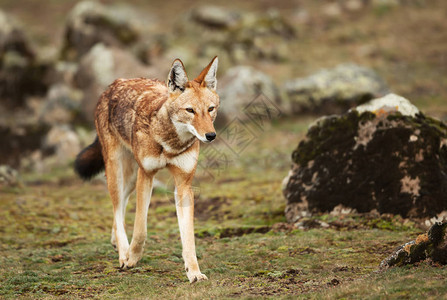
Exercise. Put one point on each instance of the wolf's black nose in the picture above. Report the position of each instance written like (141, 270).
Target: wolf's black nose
(210, 136)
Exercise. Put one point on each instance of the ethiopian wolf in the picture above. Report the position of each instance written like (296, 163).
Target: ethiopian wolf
(143, 126)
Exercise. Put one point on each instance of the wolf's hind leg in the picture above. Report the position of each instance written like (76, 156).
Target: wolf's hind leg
(119, 179)
(130, 168)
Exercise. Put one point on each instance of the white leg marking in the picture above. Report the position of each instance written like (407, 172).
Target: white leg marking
(140, 227)
(127, 190)
(185, 215)
(121, 236)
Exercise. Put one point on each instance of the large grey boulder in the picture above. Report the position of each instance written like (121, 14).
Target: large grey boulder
(235, 34)
(241, 86)
(334, 90)
(21, 72)
(91, 22)
(212, 16)
(21, 134)
(384, 156)
(99, 68)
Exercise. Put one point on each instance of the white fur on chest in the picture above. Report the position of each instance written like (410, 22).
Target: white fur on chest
(185, 161)
(152, 163)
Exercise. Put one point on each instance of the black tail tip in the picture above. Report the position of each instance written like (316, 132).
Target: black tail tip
(89, 161)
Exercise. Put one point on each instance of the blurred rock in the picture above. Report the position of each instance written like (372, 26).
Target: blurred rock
(301, 16)
(431, 245)
(21, 72)
(389, 103)
(63, 143)
(390, 158)
(215, 16)
(91, 22)
(332, 10)
(241, 86)
(385, 3)
(65, 72)
(150, 49)
(187, 55)
(334, 90)
(99, 68)
(240, 35)
(8, 176)
(61, 106)
(33, 162)
(354, 5)
(20, 136)
(13, 38)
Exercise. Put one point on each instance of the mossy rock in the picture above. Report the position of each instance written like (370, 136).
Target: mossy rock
(91, 22)
(331, 91)
(240, 35)
(382, 160)
(21, 72)
(22, 140)
(431, 245)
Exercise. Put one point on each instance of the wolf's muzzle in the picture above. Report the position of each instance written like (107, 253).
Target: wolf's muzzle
(210, 136)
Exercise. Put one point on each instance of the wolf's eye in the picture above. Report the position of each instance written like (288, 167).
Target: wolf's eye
(211, 108)
(190, 110)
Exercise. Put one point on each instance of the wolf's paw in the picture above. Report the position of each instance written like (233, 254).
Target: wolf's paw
(124, 261)
(196, 277)
(134, 257)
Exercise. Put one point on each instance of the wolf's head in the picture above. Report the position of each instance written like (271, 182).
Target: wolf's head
(193, 104)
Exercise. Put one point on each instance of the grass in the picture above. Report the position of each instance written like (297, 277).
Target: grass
(55, 230)
(55, 234)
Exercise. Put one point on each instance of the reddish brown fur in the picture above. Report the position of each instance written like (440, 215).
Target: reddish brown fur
(141, 128)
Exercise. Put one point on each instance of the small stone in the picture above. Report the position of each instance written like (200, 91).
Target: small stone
(64, 142)
(8, 176)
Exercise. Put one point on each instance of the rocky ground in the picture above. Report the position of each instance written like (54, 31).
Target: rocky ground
(301, 60)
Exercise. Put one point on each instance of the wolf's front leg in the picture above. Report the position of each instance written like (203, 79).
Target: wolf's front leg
(184, 202)
(144, 192)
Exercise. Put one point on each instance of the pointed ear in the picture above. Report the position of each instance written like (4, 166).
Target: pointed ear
(208, 75)
(177, 78)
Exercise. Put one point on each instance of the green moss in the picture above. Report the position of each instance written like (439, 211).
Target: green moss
(322, 136)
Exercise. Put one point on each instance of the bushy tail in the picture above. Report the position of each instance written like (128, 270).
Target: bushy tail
(89, 161)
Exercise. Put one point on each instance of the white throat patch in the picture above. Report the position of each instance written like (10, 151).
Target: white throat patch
(182, 130)
(196, 134)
